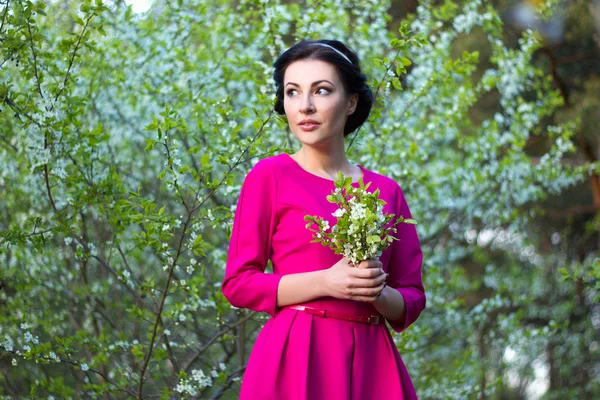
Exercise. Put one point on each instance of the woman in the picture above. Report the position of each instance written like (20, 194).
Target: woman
(327, 338)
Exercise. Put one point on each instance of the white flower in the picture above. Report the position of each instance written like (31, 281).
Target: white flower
(325, 225)
(339, 212)
(358, 212)
(351, 229)
(14, 362)
(203, 380)
(197, 375)
(84, 367)
(54, 356)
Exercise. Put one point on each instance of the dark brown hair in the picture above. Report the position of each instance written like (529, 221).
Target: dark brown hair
(353, 80)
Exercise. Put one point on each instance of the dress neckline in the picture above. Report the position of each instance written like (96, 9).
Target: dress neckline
(331, 181)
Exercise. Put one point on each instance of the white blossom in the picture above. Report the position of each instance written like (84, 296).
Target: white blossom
(339, 212)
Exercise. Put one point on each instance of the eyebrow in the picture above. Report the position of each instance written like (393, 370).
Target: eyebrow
(313, 84)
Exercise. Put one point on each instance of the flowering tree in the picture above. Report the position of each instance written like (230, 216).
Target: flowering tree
(124, 142)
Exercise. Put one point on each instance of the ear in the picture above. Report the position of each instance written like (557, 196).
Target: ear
(352, 102)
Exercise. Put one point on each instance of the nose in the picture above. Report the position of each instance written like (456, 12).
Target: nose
(306, 105)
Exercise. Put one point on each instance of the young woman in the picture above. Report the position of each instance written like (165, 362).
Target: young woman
(327, 337)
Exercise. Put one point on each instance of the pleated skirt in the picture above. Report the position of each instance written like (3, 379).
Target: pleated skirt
(300, 356)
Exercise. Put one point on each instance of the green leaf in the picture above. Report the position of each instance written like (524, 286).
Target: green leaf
(405, 61)
(397, 43)
(150, 143)
(205, 160)
(348, 182)
(400, 69)
(373, 239)
(197, 246)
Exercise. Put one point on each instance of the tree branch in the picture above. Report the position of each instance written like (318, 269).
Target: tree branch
(72, 60)
(4, 16)
(35, 71)
(217, 335)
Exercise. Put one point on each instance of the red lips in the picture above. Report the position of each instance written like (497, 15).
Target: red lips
(308, 125)
(308, 122)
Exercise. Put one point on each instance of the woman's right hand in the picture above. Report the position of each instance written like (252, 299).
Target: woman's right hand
(343, 281)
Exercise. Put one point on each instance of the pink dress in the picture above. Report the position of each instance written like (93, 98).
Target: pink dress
(297, 355)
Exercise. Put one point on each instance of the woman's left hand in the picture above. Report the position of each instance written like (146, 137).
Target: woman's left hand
(372, 264)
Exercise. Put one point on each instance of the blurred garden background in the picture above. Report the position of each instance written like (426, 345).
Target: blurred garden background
(126, 129)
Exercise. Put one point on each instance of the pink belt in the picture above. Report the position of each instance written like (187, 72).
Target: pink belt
(372, 319)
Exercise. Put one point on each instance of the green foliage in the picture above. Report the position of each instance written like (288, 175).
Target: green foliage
(124, 141)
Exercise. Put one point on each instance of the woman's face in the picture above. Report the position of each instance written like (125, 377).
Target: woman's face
(313, 91)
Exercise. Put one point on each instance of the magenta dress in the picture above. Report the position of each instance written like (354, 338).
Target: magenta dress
(301, 356)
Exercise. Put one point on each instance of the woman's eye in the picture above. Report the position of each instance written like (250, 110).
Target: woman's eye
(322, 90)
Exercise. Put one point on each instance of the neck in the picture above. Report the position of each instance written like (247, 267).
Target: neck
(327, 162)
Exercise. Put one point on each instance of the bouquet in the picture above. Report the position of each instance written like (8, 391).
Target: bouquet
(363, 230)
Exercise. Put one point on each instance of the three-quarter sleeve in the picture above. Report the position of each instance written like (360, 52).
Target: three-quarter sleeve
(405, 265)
(246, 284)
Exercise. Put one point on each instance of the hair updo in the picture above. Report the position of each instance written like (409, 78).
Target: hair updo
(353, 80)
